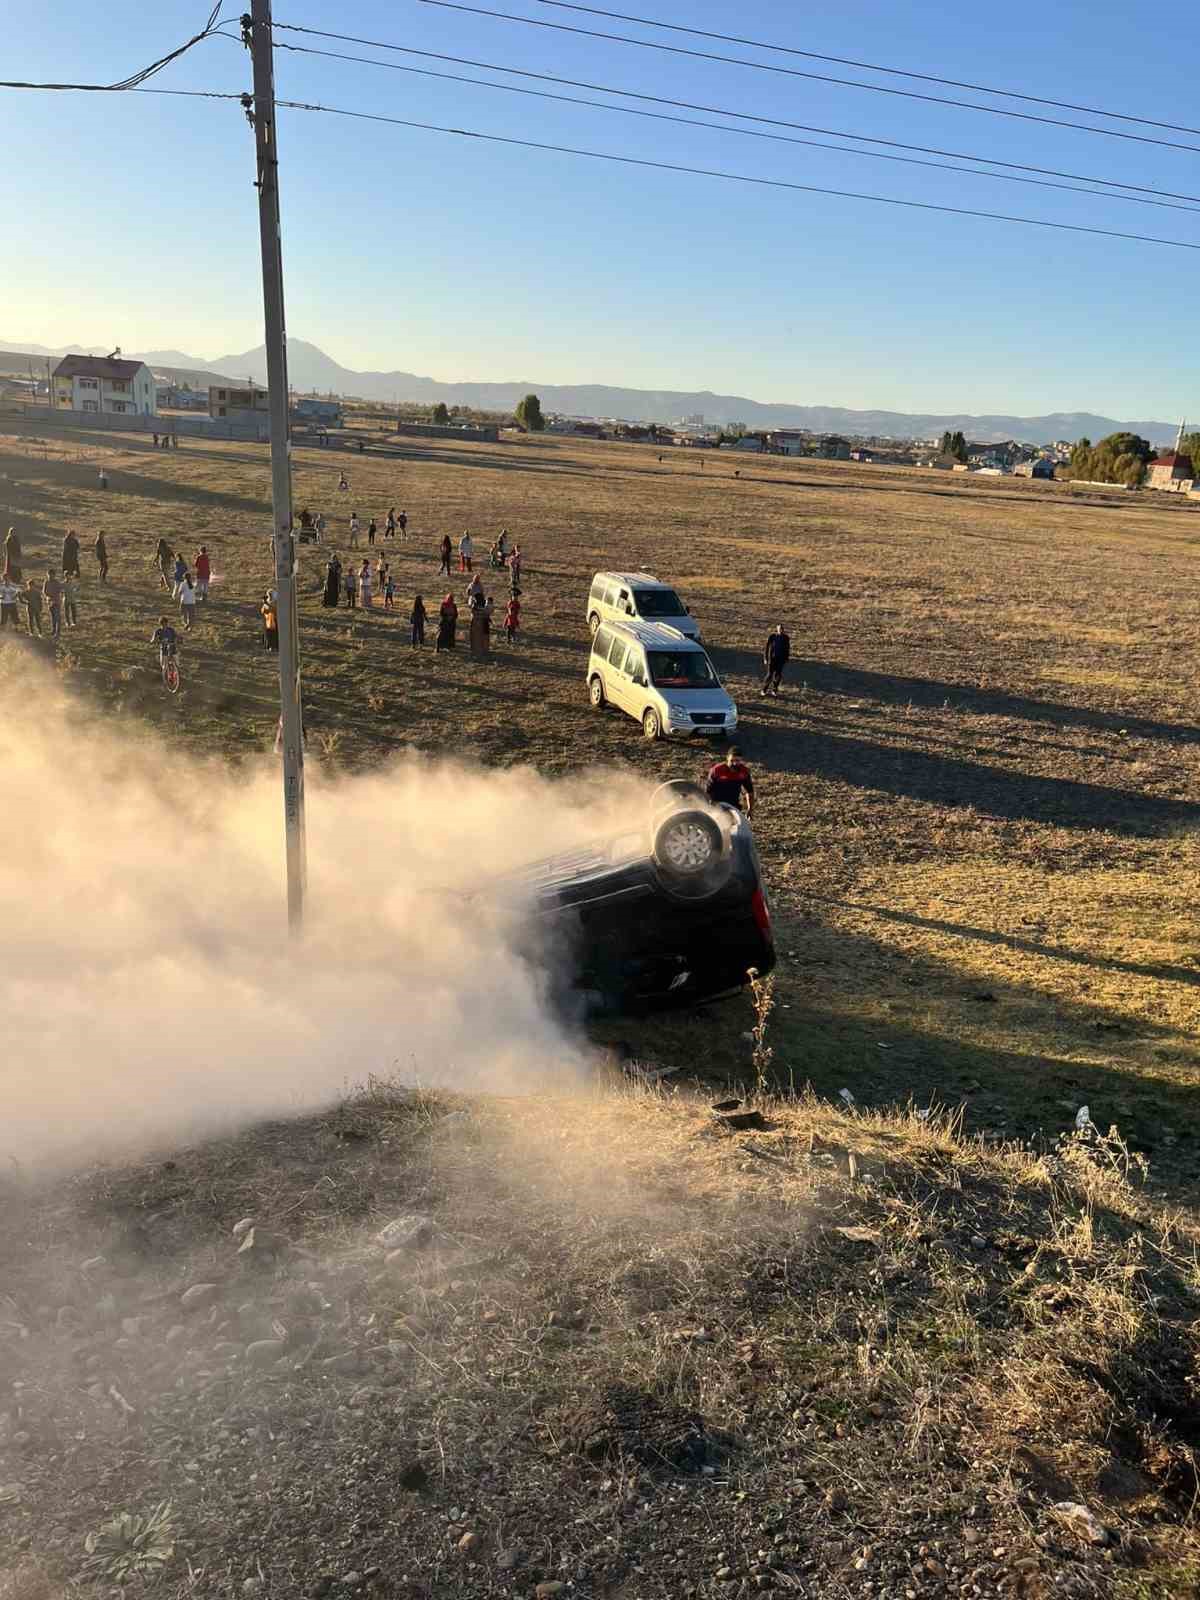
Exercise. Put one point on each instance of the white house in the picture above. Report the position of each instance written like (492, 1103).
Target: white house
(105, 383)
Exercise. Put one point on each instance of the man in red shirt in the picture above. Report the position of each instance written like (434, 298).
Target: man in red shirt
(728, 779)
(202, 567)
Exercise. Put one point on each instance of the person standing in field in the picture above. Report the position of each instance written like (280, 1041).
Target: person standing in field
(12, 555)
(402, 524)
(10, 599)
(371, 531)
(478, 634)
(474, 594)
(103, 478)
(417, 616)
(270, 616)
(447, 625)
(389, 527)
(186, 591)
(353, 529)
(728, 780)
(180, 573)
(351, 585)
(514, 569)
(512, 619)
(101, 550)
(70, 554)
(365, 585)
(343, 483)
(775, 658)
(32, 597)
(333, 582)
(203, 570)
(444, 555)
(164, 558)
(71, 599)
(52, 593)
(466, 552)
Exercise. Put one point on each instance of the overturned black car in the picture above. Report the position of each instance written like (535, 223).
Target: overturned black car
(668, 914)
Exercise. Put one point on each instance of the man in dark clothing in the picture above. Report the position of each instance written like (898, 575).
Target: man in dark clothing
(728, 779)
(775, 658)
(70, 555)
(101, 550)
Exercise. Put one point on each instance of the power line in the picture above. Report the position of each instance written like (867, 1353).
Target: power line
(867, 66)
(795, 72)
(124, 85)
(738, 177)
(692, 105)
(751, 133)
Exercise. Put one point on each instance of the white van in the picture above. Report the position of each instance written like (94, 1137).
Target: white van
(637, 597)
(664, 679)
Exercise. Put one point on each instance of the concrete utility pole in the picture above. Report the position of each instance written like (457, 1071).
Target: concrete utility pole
(256, 34)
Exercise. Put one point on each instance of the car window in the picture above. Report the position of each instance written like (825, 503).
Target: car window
(602, 643)
(659, 603)
(610, 595)
(597, 590)
(624, 603)
(636, 668)
(689, 669)
(616, 655)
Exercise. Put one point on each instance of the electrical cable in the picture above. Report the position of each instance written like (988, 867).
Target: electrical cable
(737, 177)
(788, 72)
(124, 85)
(752, 133)
(868, 66)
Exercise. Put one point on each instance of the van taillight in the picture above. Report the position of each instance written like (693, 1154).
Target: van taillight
(761, 912)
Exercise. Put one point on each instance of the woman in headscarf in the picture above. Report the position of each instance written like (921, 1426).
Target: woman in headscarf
(12, 556)
(447, 624)
(365, 586)
(481, 628)
(333, 582)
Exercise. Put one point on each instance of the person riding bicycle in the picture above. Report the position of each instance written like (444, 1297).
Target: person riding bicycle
(167, 640)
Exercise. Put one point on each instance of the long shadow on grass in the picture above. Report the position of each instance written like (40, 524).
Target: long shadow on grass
(962, 930)
(831, 677)
(950, 781)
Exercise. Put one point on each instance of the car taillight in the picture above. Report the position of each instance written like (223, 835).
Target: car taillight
(761, 912)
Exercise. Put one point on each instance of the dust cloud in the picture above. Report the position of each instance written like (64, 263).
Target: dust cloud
(148, 992)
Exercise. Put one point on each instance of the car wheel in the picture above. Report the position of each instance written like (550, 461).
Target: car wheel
(596, 692)
(651, 726)
(687, 845)
(593, 624)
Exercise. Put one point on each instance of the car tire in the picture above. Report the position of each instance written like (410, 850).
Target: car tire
(689, 853)
(596, 692)
(651, 726)
(593, 624)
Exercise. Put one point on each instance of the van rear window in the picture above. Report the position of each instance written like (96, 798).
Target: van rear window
(602, 643)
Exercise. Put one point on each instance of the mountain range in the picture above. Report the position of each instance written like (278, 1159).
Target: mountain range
(309, 368)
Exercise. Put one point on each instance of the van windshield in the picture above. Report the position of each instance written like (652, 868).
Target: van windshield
(658, 603)
(690, 669)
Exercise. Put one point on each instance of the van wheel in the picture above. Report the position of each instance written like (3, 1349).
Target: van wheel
(651, 726)
(596, 692)
(593, 624)
(690, 856)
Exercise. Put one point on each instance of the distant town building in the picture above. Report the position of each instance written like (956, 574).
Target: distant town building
(696, 420)
(105, 383)
(1171, 471)
(171, 397)
(247, 404)
(1043, 467)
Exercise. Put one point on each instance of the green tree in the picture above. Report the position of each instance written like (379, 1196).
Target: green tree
(440, 415)
(529, 414)
(1191, 447)
(1119, 458)
(958, 446)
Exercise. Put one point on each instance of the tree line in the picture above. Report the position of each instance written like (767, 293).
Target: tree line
(1119, 458)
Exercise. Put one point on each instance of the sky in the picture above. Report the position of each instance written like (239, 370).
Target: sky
(131, 219)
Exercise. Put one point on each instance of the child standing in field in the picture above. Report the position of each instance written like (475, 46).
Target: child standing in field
(70, 599)
(351, 584)
(101, 550)
(402, 524)
(186, 590)
(353, 529)
(389, 593)
(417, 618)
(444, 555)
(365, 585)
(389, 527)
(203, 572)
(371, 531)
(512, 619)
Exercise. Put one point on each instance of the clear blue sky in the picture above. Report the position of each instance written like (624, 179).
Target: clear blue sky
(131, 218)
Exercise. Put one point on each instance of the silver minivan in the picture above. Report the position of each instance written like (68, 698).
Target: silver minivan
(637, 597)
(658, 675)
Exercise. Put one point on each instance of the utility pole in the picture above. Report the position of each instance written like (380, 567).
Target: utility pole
(257, 35)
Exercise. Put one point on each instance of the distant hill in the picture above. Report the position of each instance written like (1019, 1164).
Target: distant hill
(310, 368)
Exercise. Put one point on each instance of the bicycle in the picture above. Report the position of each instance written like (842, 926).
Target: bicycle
(170, 672)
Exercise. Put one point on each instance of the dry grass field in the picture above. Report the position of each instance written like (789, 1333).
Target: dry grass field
(979, 794)
(862, 1353)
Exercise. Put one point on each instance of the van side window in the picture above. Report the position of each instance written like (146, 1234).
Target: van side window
(636, 668)
(610, 595)
(602, 643)
(623, 603)
(616, 655)
(597, 591)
